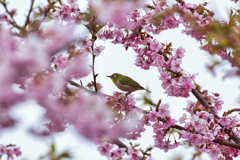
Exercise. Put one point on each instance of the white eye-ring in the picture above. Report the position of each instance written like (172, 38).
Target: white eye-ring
(114, 76)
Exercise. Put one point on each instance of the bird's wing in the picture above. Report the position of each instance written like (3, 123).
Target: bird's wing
(130, 81)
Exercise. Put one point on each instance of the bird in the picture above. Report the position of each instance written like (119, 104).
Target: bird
(126, 83)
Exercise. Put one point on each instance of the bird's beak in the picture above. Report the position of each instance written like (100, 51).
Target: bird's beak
(108, 76)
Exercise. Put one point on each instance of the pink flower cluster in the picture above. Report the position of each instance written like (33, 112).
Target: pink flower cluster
(111, 151)
(175, 84)
(162, 122)
(147, 57)
(60, 62)
(85, 45)
(115, 11)
(194, 20)
(150, 53)
(122, 103)
(69, 13)
(10, 151)
(202, 128)
(126, 116)
(178, 87)
(91, 118)
(27, 62)
(77, 68)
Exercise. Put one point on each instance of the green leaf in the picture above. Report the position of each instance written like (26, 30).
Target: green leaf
(65, 154)
(60, 2)
(53, 149)
(197, 109)
(146, 100)
(97, 29)
(158, 17)
(88, 27)
(42, 157)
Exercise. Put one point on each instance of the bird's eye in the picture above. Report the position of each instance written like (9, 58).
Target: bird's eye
(114, 76)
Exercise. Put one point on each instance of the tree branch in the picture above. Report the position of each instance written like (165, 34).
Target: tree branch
(226, 143)
(199, 97)
(181, 2)
(94, 76)
(122, 145)
(119, 143)
(9, 13)
(231, 111)
(29, 13)
(230, 133)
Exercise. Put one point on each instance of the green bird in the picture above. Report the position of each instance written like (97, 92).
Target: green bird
(126, 83)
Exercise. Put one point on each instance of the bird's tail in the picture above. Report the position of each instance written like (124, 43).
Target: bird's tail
(147, 90)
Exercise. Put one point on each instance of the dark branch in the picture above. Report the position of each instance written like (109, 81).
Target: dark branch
(119, 143)
(29, 13)
(9, 13)
(181, 2)
(226, 143)
(200, 98)
(94, 76)
(93, 64)
(230, 133)
(122, 145)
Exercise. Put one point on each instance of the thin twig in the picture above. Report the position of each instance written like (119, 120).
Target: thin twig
(230, 133)
(119, 143)
(231, 111)
(94, 76)
(225, 143)
(122, 145)
(93, 64)
(9, 13)
(181, 2)
(200, 98)
(29, 13)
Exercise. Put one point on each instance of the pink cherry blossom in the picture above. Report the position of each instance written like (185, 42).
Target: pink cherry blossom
(175, 65)
(84, 42)
(224, 121)
(115, 11)
(10, 151)
(32, 62)
(104, 149)
(214, 151)
(195, 138)
(3, 150)
(72, 1)
(117, 153)
(155, 45)
(198, 123)
(153, 115)
(208, 137)
(163, 110)
(78, 68)
(218, 105)
(182, 119)
(98, 50)
(61, 62)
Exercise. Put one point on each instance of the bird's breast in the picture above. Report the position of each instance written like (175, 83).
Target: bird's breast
(125, 88)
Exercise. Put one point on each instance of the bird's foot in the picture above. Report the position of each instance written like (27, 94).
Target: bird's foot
(127, 93)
